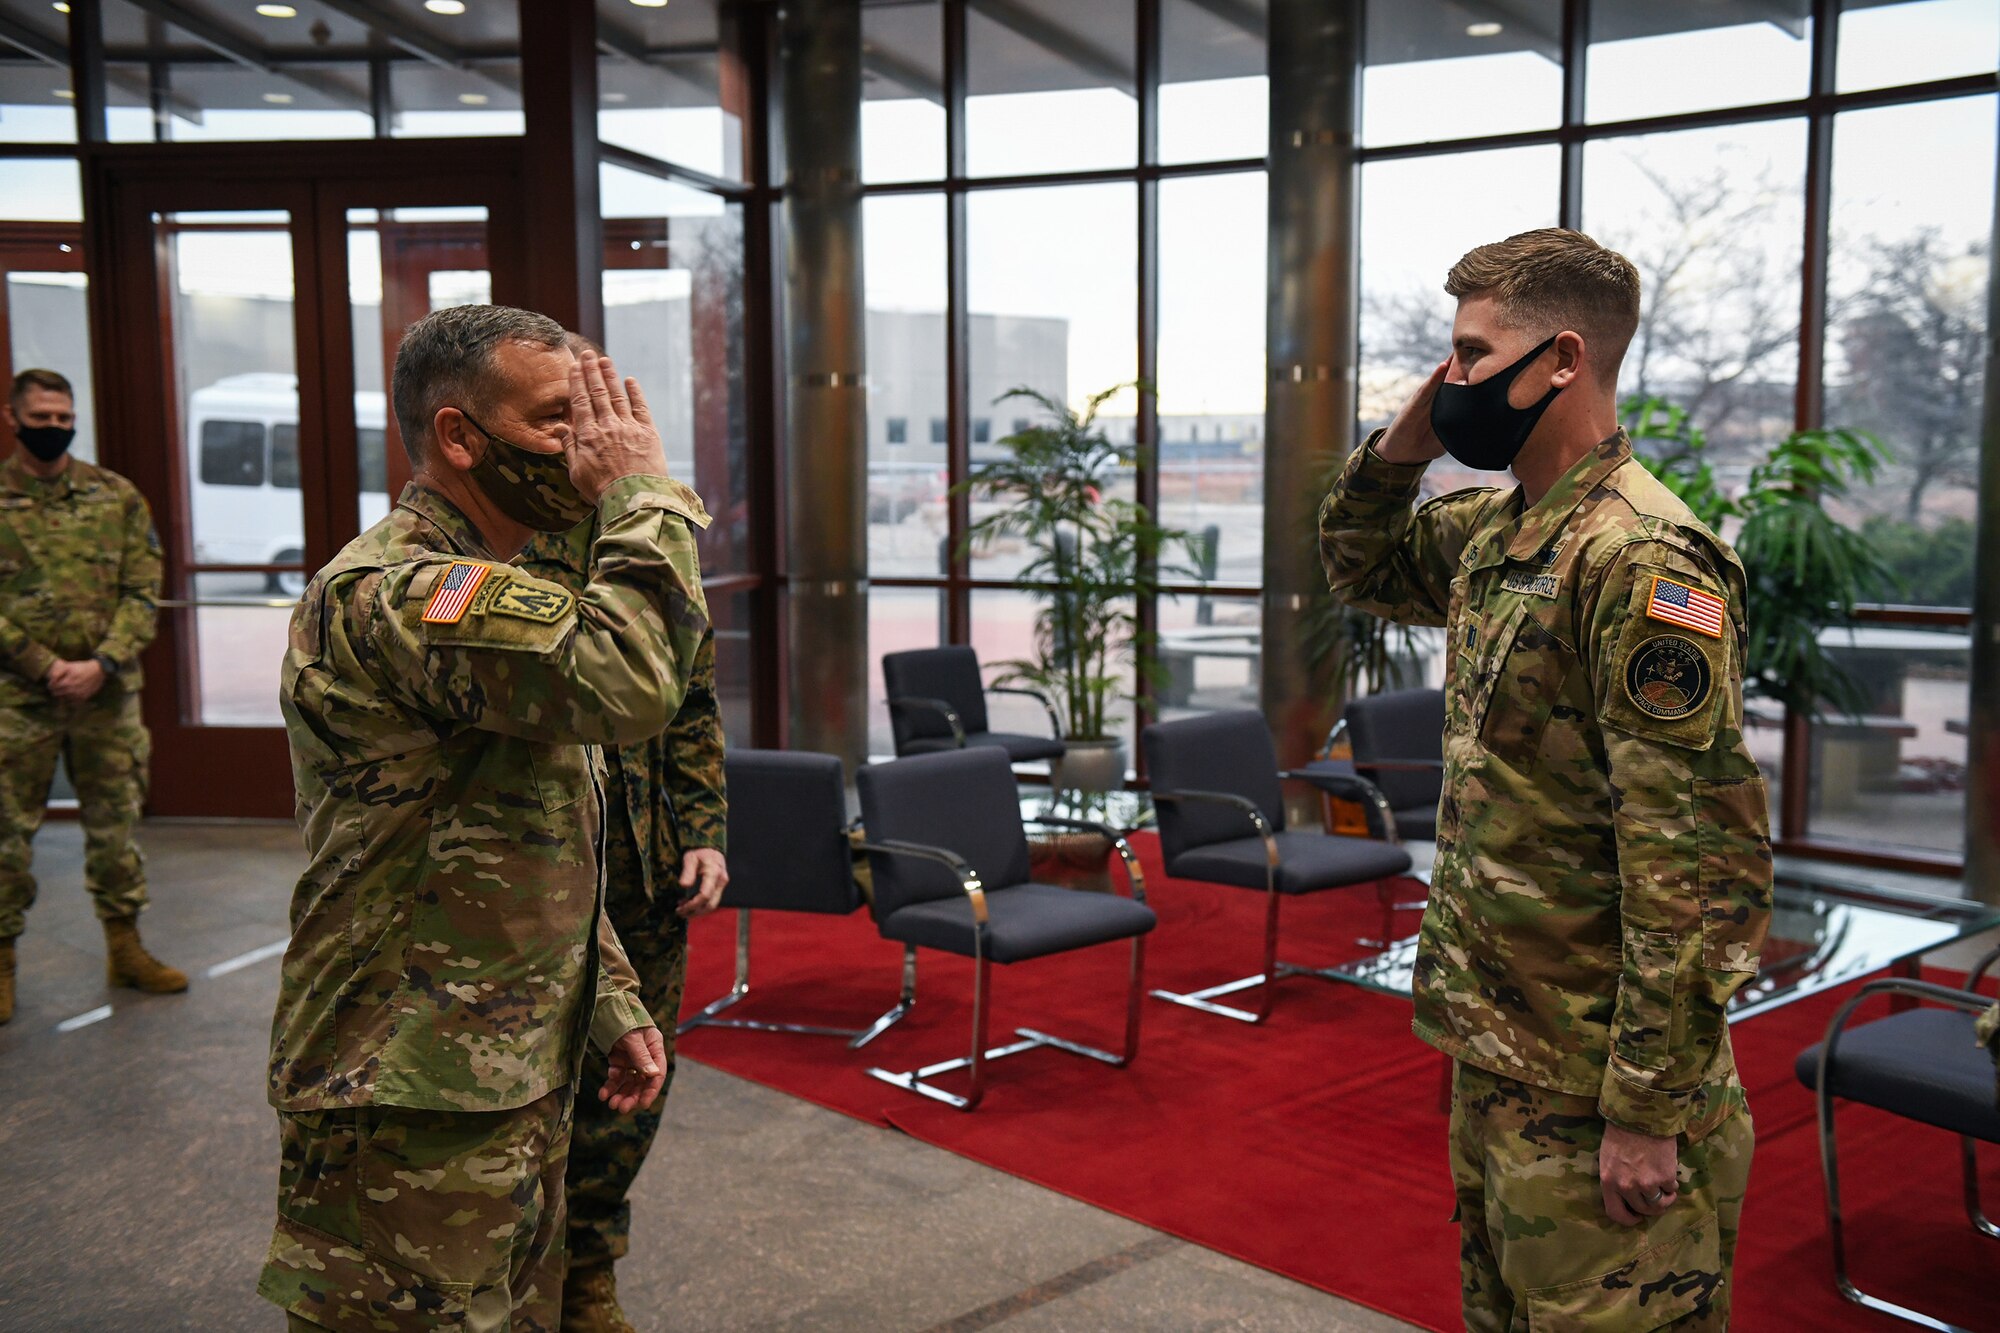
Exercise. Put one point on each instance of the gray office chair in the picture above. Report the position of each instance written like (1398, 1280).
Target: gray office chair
(788, 852)
(1222, 819)
(945, 841)
(1921, 1064)
(937, 701)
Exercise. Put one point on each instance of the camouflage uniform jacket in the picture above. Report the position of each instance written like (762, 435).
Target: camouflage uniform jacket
(674, 797)
(79, 574)
(1603, 877)
(438, 706)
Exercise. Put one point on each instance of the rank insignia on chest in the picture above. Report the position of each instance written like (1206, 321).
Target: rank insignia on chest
(1678, 604)
(1667, 676)
(454, 592)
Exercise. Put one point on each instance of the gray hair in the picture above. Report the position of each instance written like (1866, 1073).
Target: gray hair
(446, 360)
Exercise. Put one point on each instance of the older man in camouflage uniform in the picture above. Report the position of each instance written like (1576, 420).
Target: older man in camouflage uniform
(665, 828)
(80, 571)
(1603, 879)
(450, 958)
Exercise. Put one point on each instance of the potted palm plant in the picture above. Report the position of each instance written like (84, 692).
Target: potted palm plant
(1090, 556)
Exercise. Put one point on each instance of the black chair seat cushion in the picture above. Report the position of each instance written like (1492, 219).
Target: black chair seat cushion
(1023, 921)
(1418, 823)
(1308, 862)
(1921, 1064)
(1020, 749)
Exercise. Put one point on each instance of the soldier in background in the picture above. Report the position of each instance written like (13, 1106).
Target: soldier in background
(450, 958)
(79, 592)
(666, 817)
(1603, 878)
(1986, 1029)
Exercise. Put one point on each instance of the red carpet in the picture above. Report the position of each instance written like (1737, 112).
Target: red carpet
(1313, 1146)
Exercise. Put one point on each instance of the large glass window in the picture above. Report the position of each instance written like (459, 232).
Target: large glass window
(1912, 41)
(665, 88)
(902, 92)
(1436, 69)
(1212, 372)
(1714, 221)
(1214, 96)
(907, 470)
(1650, 59)
(1050, 87)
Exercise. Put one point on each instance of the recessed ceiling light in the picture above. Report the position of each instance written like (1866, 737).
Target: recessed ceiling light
(66, 94)
(277, 11)
(1482, 30)
(278, 99)
(473, 99)
(445, 6)
(62, 6)
(650, 4)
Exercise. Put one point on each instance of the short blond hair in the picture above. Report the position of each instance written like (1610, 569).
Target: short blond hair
(1553, 279)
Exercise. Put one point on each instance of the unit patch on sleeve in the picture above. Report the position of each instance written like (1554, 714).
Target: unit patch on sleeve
(1691, 608)
(454, 592)
(530, 601)
(1668, 676)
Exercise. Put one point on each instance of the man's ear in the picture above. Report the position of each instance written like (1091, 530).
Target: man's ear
(1571, 356)
(457, 441)
(7, 417)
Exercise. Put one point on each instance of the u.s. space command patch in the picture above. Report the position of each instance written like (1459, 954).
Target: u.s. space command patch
(530, 601)
(454, 592)
(1668, 677)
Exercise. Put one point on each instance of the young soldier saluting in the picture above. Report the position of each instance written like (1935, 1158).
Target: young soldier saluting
(1603, 880)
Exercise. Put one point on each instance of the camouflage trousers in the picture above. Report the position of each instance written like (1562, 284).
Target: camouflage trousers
(1537, 1251)
(608, 1149)
(107, 749)
(396, 1219)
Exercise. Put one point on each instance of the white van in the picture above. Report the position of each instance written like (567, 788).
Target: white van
(243, 472)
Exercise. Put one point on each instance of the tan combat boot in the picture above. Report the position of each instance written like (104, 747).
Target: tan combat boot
(6, 980)
(590, 1302)
(128, 963)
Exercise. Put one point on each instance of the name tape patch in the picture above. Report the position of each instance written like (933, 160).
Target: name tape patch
(529, 602)
(1538, 585)
(1678, 604)
(454, 592)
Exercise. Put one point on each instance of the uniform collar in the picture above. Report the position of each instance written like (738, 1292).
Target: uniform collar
(15, 478)
(446, 517)
(1550, 515)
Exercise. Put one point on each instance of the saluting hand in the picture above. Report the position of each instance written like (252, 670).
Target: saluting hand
(613, 433)
(638, 1071)
(704, 875)
(1410, 438)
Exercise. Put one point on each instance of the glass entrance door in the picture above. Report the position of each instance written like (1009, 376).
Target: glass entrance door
(256, 420)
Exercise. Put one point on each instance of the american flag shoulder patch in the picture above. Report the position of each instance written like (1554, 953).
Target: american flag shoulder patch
(454, 592)
(1691, 608)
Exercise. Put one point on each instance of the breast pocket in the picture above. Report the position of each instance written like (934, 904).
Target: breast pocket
(562, 775)
(1519, 675)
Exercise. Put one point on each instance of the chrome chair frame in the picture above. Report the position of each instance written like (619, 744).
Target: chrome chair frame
(1967, 999)
(740, 988)
(1354, 787)
(916, 1080)
(1274, 970)
(957, 724)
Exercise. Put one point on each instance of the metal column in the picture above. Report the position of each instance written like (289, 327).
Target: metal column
(1982, 795)
(1315, 58)
(826, 441)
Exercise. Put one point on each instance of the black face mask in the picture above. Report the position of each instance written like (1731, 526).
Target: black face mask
(47, 443)
(1479, 427)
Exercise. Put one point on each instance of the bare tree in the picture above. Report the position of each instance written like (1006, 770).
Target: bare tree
(1913, 349)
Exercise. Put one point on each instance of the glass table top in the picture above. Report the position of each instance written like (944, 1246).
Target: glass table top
(1823, 933)
(1121, 811)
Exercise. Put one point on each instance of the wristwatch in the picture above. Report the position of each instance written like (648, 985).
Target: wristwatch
(105, 660)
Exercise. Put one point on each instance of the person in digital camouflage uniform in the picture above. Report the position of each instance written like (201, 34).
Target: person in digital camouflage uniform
(450, 958)
(79, 594)
(1603, 875)
(665, 832)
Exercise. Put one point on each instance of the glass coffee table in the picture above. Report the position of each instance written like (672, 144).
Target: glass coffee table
(1076, 858)
(1825, 931)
